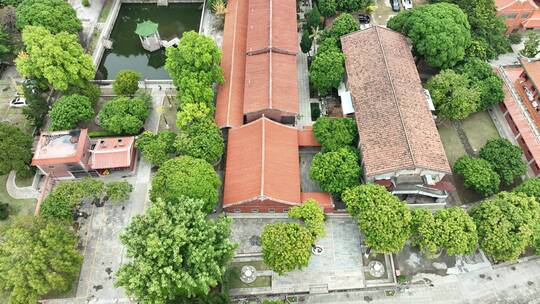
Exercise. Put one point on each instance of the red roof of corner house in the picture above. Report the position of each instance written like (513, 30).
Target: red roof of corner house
(532, 69)
(515, 5)
(112, 152)
(262, 164)
(57, 148)
(230, 95)
(396, 128)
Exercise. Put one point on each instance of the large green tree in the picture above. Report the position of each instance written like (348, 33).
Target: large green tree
(57, 58)
(67, 111)
(15, 149)
(452, 95)
(194, 67)
(328, 7)
(36, 107)
(55, 15)
(485, 80)
(192, 114)
(451, 229)
(336, 170)
(124, 115)
(327, 70)
(37, 257)
(311, 213)
(343, 25)
(532, 45)
(201, 140)
(439, 32)
(175, 251)
(335, 133)
(156, 148)
(478, 175)
(384, 220)
(530, 187)
(6, 44)
(126, 82)
(507, 223)
(505, 158)
(187, 176)
(66, 197)
(353, 5)
(286, 246)
(488, 29)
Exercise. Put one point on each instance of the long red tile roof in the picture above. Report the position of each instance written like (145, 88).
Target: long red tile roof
(396, 128)
(230, 96)
(262, 164)
(259, 48)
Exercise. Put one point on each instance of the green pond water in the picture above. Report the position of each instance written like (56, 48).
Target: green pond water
(127, 51)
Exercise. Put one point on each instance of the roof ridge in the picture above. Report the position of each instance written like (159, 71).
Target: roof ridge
(394, 96)
(263, 154)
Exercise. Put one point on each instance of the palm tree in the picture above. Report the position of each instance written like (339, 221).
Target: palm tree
(315, 34)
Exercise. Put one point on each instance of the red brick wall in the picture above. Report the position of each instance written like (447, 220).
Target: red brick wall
(262, 207)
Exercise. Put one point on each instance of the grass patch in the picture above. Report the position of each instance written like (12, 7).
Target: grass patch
(105, 10)
(450, 140)
(17, 206)
(261, 281)
(479, 128)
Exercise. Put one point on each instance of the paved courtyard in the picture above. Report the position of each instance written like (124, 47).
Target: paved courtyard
(338, 267)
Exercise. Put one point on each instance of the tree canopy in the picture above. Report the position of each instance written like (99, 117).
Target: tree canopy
(193, 113)
(478, 175)
(505, 158)
(530, 187)
(118, 191)
(15, 149)
(507, 223)
(57, 58)
(6, 44)
(286, 246)
(384, 220)
(452, 95)
(69, 110)
(336, 170)
(327, 70)
(532, 45)
(67, 195)
(488, 29)
(55, 15)
(201, 140)
(451, 229)
(483, 79)
(126, 82)
(37, 257)
(335, 133)
(439, 32)
(186, 176)
(124, 115)
(156, 148)
(175, 251)
(343, 25)
(328, 7)
(194, 67)
(353, 5)
(311, 213)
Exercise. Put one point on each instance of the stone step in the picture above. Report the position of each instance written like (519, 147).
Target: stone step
(318, 288)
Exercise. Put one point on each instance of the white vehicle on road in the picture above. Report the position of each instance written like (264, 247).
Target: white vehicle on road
(407, 4)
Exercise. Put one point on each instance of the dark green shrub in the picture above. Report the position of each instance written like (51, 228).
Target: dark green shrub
(4, 211)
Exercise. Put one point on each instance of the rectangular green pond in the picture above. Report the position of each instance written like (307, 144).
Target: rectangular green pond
(127, 51)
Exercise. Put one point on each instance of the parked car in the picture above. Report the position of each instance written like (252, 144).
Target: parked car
(18, 102)
(364, 19)
(395, 5)
(407, 4)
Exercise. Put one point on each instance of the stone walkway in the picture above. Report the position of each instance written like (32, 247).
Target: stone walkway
(19, 192)
(519, 283)
(103, 252)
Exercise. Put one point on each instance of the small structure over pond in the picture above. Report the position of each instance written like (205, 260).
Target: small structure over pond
(149, 35)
